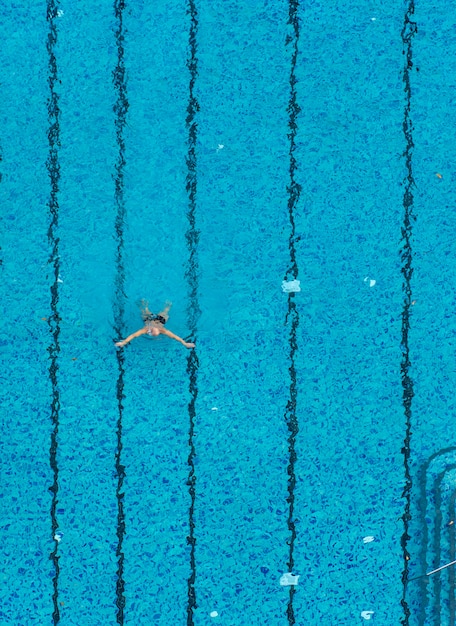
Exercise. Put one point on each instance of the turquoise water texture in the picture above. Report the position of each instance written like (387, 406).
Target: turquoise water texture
(206, 153)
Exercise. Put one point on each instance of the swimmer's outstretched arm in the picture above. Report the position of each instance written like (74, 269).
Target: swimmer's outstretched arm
(168, 333)
(138, 333)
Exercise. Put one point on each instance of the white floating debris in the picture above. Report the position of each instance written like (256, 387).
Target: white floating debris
(371, 281)
(220, 146)
(58, 537)
(291, 286)
(367, 614)
(60, 13)
(59, 280)
(214, 408)
(373, 19)
(213, 614)
(368, 539)
(288, 579)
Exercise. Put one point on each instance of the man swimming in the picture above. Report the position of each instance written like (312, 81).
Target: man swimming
(154, 325)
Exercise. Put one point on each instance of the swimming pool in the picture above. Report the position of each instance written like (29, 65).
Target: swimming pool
(212, 154)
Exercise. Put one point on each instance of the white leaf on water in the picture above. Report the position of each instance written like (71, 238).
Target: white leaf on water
(367, 614)
(291, 286)
(288, 579)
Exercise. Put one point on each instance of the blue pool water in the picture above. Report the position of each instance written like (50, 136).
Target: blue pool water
(205, 153)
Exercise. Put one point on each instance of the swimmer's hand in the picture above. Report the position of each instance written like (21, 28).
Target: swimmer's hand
(120, 344)
(189, 345)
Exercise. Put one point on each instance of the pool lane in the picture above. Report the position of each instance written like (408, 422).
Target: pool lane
(432, 458)
(86, 379)
(27, 572)
(241, 436)
(350, 466)
(155, 415)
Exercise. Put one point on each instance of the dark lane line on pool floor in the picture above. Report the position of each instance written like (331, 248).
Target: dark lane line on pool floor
(193, 312)
(293, 191)
(120, 110)
(53, 169)
(407, 34)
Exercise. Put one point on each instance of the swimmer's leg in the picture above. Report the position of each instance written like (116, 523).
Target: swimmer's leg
(165, 312)
(145, 313)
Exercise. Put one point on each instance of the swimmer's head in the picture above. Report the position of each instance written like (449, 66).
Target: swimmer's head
(154, 331)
